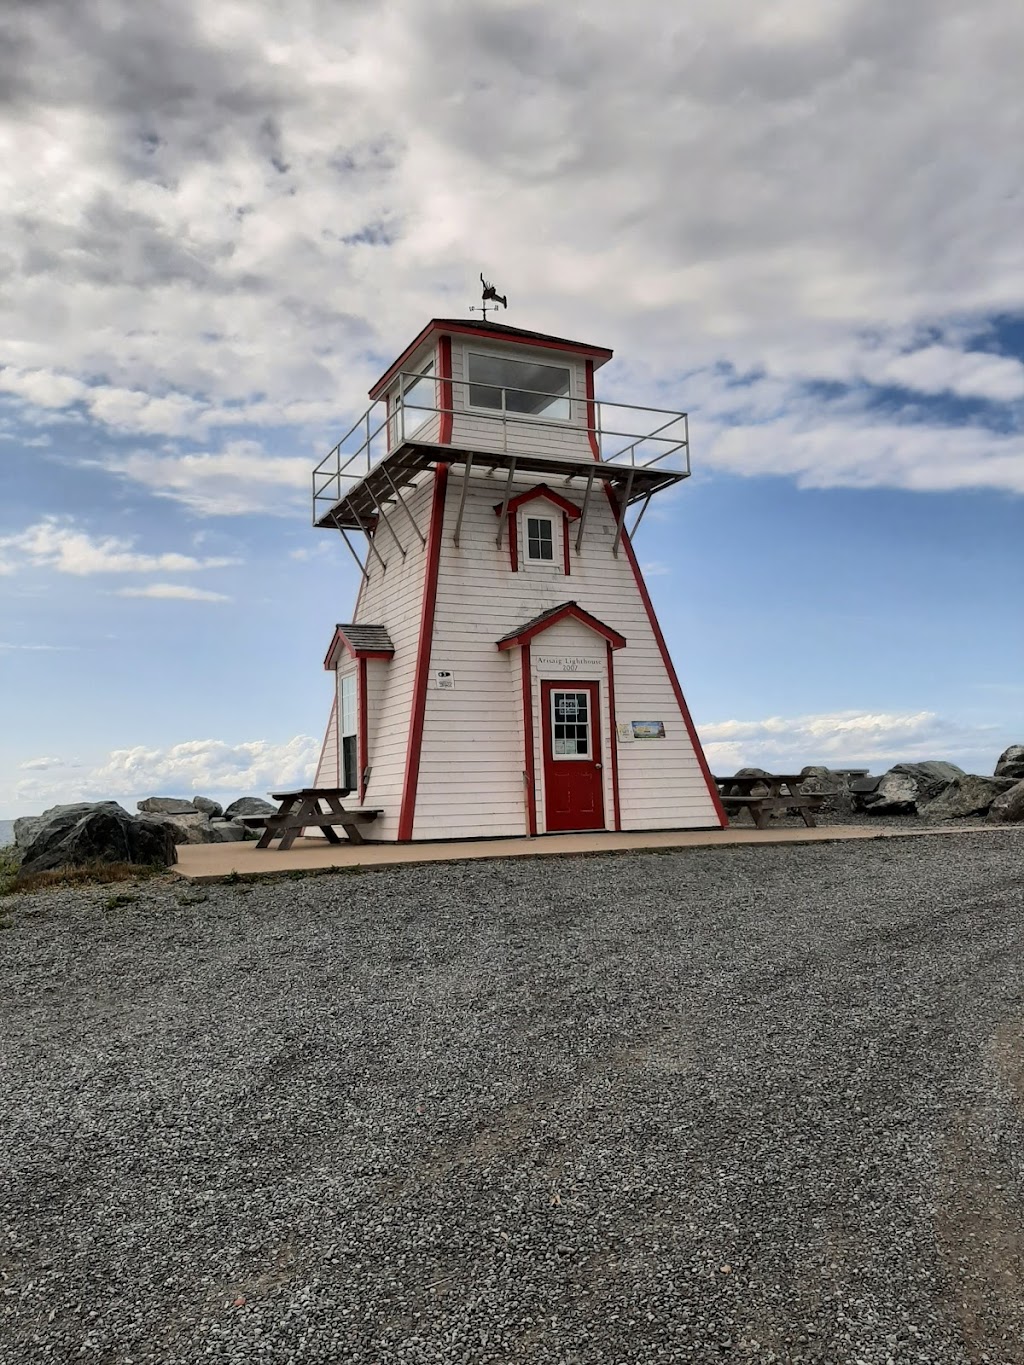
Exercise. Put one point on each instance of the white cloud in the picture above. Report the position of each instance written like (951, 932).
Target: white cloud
(45, 764)
(240, 479)
(192, 767)
(32, 648)
(176, 591)
(844, 738)
(56, 543)
(801, 190)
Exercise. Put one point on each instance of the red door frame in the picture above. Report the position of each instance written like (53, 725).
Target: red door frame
(595, 763)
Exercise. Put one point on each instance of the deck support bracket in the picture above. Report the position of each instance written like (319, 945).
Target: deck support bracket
(503, 516)
(405, 505)
(383, 516)
(647, 503)
(584, 511)
(351, 548)
(369, 536)
(622, 514)
(462, 496)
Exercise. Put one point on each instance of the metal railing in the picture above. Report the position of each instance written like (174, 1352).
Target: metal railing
(652, 437)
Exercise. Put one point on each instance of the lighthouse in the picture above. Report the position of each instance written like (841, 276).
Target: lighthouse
(503, 671)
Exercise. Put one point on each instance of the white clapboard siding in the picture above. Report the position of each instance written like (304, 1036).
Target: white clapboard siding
(394, 600)
(327, 768)
(478, 601)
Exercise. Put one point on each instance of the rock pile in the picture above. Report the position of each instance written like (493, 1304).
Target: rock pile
(103, 831)
(934, 790)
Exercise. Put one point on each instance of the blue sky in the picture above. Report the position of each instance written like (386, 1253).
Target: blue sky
(801, 223)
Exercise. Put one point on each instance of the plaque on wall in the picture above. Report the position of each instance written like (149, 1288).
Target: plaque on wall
(648, 729)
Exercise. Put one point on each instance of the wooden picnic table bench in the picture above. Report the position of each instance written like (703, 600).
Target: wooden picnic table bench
(783, 794)
(302, 809)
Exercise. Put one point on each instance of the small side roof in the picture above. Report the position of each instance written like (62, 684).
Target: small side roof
(362, 642)
(499, 331)
(566, 611)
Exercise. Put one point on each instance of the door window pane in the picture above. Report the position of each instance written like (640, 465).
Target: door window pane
(570, 724)
(537, 390)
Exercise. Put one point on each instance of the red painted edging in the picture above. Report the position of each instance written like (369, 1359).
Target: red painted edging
(363, 741)
(444, 365)
(531, 772)
(565, 544)
(568, 609)
(592, 411)
(419, 689)
(513, 542)
(613, 739)
(666, 658)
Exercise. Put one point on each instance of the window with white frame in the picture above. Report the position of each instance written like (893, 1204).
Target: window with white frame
(348, 747)
(540, 539)
(523, 387)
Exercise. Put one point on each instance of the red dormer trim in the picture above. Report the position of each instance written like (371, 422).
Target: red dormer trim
(569, 510)
(509, 336)
(540, 490)
(567, 611)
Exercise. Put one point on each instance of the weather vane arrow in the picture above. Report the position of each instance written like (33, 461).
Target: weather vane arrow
(490, 296)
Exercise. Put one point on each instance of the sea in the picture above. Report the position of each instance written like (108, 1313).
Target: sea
(6, 832)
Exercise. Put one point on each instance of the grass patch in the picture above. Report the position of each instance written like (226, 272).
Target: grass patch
(119, 901)
(88, 874)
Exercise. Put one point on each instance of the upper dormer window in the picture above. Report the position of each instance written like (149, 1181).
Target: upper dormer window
(530, 389)
(540, 539)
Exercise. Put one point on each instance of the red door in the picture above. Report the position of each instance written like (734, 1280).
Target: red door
(573, 780)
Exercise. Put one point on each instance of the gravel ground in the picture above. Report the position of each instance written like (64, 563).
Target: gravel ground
(725, 1104)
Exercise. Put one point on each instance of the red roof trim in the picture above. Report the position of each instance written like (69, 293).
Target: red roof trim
(569, 611)
(528, 339)
(540, 490)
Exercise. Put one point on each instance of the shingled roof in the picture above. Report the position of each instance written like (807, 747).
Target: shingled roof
(362, 642)
(524, 633)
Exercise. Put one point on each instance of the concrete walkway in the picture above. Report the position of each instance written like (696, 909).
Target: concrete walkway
(211, 862)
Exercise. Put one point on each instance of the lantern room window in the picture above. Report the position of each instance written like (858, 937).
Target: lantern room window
(540, 539)
(525, 388)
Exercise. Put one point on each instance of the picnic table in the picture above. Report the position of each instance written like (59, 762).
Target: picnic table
(783, 794)
(304, 809)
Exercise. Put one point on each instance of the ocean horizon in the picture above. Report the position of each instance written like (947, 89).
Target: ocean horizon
(6, 833)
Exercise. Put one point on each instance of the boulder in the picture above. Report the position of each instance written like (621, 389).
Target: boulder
(907, 786)
(834, 787)
(249, 805)
(1011, 763)
(103, 832)
(208, 807)
(28, 826)
(228, 832)
(1009, 807)
(968, 795)
(192, 828)
(167, 805)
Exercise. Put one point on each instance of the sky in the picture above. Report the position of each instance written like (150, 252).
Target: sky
(801, 221)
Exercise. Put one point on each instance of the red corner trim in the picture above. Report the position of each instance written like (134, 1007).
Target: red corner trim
(666, 658)
(444, 365)
(419, 689)
(363, 742)
(565, 544)
(570, 609)
(540, 490)
(529, 759)
(592, 412)
(513, 543)
(613, 738)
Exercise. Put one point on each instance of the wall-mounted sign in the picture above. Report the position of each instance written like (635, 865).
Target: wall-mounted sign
(624, 731)
(444, 679)
(648, 729)
(585, 664)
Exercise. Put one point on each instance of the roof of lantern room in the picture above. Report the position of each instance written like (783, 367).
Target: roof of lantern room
(500, 331)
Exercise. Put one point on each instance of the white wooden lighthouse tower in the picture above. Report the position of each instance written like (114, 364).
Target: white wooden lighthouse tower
(503, 672)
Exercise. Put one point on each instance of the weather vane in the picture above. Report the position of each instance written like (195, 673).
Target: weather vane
(490, 295)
